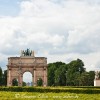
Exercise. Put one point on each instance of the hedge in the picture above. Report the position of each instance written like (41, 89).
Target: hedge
(84, 90)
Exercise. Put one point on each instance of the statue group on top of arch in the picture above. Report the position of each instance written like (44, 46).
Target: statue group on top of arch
(97, 75)
(27, 53)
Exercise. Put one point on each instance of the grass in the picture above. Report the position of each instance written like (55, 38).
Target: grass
(47, 96)
(8, 95)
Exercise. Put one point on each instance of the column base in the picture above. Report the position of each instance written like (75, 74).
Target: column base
(9, 84)
(44, 84)
(34, 84)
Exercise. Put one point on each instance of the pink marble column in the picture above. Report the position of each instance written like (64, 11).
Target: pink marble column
(34, 77)
(9, 78)
(32, 80)
(45, 77)
(20, 79)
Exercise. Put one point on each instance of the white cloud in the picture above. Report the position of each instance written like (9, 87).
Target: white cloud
(57, 28)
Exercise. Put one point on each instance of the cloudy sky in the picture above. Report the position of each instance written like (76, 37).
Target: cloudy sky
(61, 30)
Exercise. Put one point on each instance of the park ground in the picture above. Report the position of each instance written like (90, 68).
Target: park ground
(64, 93)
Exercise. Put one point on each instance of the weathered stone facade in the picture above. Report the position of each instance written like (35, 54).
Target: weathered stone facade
(17, 66)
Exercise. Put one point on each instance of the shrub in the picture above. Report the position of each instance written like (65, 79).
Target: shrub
(84, 90)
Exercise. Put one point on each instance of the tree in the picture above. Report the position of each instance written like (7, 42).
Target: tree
(1, 76)
(75, 69)
(51, 75)
(77, 66)
(60, 73)
(40, 82)
(84, 79)
(4, 78)
(52, 67)
(15, 82)
(24, 84)
(87, 78)
(91, 78)
(60, 76)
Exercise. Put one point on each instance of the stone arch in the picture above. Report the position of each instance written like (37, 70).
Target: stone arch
(29, 70)
(18, 65)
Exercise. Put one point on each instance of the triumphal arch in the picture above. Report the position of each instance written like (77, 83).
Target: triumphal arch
(27, 62)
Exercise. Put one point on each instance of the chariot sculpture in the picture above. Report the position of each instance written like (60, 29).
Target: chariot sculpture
(27, 52)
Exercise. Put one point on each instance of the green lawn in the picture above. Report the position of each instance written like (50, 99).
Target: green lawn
(47, 96)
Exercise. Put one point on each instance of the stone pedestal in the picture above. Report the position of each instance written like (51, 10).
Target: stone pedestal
(97, 82)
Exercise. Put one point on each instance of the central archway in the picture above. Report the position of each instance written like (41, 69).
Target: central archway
(27, 79)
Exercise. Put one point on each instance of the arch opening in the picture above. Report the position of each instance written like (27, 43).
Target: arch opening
(27, 79)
